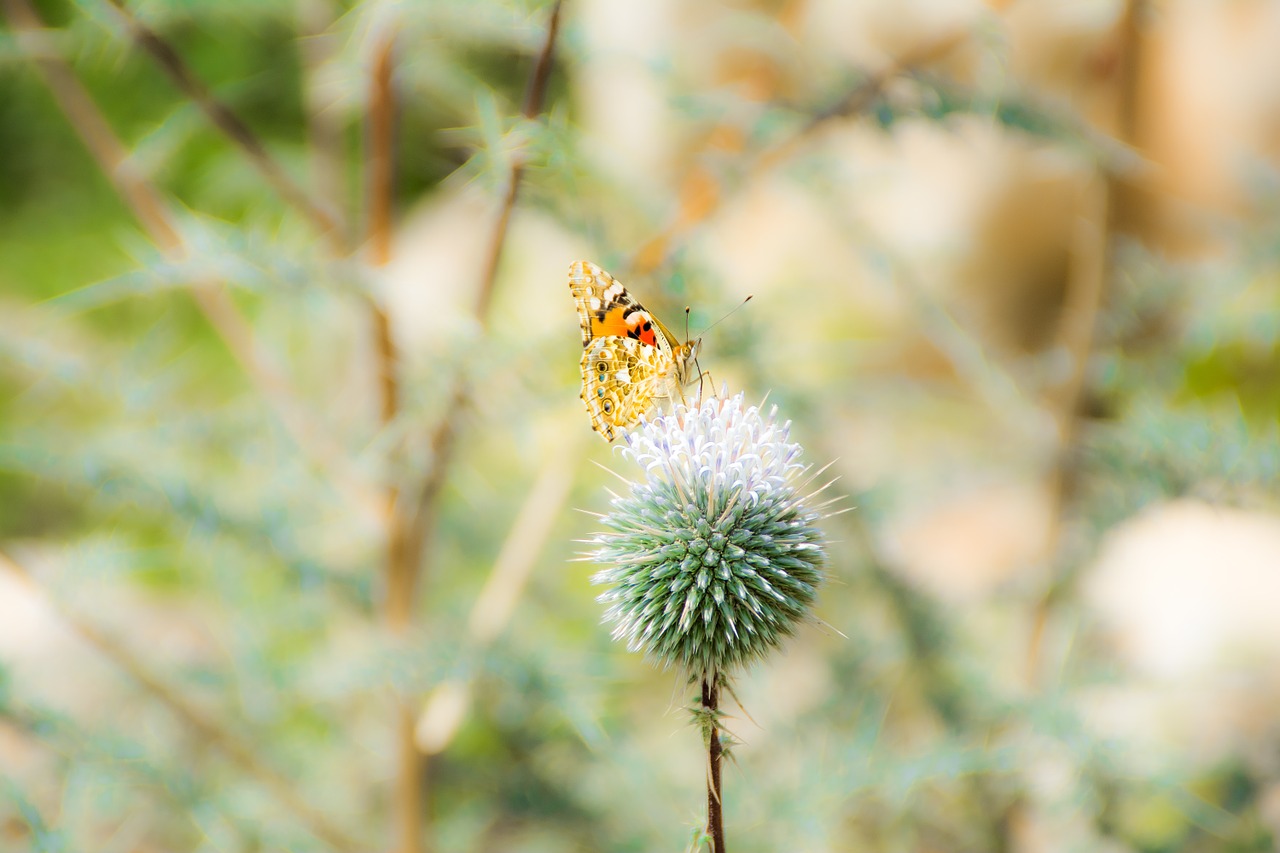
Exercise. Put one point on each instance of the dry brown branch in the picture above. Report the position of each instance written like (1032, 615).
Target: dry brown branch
(701, 196)
(422, 513)
(380, 162)
(231, 125)
(411, 526)
(1086, 289)
(380, 168)
(534, 95)
(205, 727)
(153, 213)
(381, 195)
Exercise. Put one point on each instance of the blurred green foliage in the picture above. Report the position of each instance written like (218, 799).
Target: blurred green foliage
(152, 488)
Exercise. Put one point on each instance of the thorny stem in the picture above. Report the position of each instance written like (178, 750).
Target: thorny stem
(715, 749)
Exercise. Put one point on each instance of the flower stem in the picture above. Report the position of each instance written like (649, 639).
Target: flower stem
(711, 705)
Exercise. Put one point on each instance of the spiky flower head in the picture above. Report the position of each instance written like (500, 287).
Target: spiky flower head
(714, 557)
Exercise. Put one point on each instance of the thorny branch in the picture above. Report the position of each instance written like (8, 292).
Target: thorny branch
(715, 750)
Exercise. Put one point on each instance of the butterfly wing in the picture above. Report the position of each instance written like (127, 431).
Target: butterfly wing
(629, 358)
(621, 379)
(606, 309)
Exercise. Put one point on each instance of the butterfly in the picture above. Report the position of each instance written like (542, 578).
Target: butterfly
(630, 360)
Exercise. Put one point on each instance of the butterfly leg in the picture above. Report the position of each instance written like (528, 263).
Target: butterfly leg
(704, 376)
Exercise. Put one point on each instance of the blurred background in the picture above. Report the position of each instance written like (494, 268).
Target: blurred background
(292, 456)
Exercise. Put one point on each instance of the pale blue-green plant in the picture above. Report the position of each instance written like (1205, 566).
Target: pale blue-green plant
(713, 555)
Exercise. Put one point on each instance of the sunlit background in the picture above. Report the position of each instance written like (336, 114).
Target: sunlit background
(292, 456)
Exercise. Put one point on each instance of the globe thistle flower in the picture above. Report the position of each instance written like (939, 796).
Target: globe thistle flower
(713, 559)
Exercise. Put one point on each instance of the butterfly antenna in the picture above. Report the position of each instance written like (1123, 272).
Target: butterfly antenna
(722, 319)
